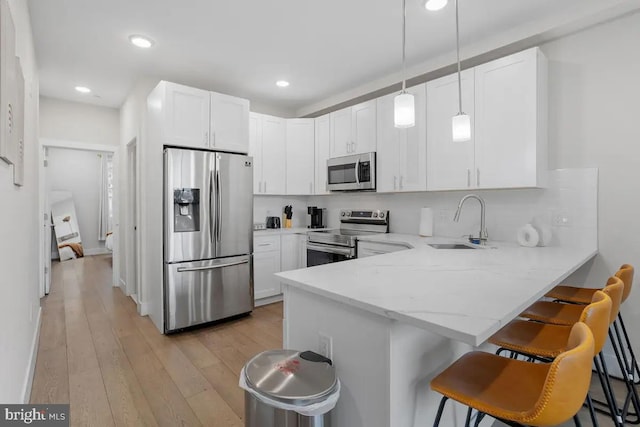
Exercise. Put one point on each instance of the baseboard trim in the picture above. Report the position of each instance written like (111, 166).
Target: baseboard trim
(28, 381)
(145, 308)
(123, 285)
(268, 300)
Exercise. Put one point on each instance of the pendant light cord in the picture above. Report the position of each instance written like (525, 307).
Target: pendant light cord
(458, 56)
(404, 42)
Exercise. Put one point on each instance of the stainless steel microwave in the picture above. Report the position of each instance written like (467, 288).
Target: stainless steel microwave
(352, 173)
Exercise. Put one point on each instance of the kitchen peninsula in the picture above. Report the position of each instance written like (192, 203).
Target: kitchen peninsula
(394, 321)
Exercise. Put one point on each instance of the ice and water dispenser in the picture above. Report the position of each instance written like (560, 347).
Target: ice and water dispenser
(186, 210)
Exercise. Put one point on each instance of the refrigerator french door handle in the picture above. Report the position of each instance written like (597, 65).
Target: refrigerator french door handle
(211, 267)
(218, 199)
(211, 230)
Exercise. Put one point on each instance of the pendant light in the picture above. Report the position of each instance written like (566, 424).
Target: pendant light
(404, 110)
(461, 122)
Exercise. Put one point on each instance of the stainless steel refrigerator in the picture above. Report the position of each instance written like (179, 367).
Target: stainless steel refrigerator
(208, 237)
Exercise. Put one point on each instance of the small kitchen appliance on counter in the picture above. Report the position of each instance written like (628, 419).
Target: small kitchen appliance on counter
(316, 217)
(326, 246)
(273, 222)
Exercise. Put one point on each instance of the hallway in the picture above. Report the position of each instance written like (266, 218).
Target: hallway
(115, 368)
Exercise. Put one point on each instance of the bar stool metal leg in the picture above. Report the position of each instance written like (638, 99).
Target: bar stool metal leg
(592, 411)
(635, 370)
(603, 375)
(440, 409)
(632, 394)
(467, 423)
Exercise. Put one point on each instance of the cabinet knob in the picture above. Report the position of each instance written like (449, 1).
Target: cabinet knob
(478, 177)
(468, 177)
(401, 184)
(206, 138)
(395, 182)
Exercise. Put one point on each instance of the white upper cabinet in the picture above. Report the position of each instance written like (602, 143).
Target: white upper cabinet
(273, 155)
(402, 153)
(322, 152)
(507, 102)
(255, 150)
(450, 165)
(196, 118)
(353, 129)
(511, 121)
(341, 142)
(186, 120)
(300, 155)
(363, 128)
(229, 123)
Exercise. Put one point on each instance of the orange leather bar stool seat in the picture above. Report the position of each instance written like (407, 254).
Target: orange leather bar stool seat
(549, 341)
(584, 295)
(528, 393)
(568, 314)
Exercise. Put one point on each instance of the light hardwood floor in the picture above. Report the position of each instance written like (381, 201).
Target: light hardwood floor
(115, 368)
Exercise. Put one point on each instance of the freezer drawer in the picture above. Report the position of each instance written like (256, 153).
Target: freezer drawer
(204, 291)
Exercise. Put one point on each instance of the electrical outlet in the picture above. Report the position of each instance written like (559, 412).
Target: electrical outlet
(325, 345)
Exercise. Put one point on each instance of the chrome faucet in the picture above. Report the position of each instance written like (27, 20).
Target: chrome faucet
(484, 236)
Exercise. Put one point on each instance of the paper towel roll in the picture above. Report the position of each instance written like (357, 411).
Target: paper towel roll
(426, 222)
(528, 236)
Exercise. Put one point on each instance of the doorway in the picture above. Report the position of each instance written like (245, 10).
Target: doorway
(131, 235)
(75, 148)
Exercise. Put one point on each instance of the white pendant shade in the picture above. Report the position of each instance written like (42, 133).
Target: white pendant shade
(404, 111)
(461, 125)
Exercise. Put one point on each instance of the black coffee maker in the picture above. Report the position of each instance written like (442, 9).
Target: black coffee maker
(317, 217)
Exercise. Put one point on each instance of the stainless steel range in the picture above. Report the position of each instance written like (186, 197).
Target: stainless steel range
(326, 246)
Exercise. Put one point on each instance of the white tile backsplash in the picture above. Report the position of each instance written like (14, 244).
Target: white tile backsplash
(572, 193)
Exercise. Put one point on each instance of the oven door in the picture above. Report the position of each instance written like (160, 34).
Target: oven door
(318, 254)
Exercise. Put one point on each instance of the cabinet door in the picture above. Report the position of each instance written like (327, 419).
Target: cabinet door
(186, 116)
(322, 153)
(341, 142)
(229, 123)
(412, 155)
(506, 121)
(255, 150)
(302, 250)
(265, 265)
(363, 127)
(290, 252)
(388, 146)
(273, 155)
(449, 164)
(300, 156)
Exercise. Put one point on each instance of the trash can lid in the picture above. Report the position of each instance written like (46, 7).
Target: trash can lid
(291, 376)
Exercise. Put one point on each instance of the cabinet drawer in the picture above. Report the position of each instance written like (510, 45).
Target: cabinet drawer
(266, 244)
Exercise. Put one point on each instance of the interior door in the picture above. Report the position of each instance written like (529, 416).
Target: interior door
(187, 220)
(233, 204)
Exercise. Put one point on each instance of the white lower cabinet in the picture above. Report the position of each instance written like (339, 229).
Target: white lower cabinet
(266, 262)
(273, 254)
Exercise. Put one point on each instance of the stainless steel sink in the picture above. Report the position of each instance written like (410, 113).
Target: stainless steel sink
(450, 246)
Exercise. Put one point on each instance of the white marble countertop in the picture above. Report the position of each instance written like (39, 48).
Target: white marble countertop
(280, 231)
(466, 295)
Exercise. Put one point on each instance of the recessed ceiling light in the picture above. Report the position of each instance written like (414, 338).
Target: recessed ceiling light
(434, 5)
(282, 83)
(83, 89)
(141, 41)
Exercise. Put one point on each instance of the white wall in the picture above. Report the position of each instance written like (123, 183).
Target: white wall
(19, 237)
(594, 117)
(79, 172)
(73, 121)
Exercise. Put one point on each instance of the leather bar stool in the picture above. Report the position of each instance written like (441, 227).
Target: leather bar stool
(567, 314)
(545, 342)
(521, 393)
(576, 295)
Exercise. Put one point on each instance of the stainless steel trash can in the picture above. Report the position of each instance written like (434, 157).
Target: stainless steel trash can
(290, 379)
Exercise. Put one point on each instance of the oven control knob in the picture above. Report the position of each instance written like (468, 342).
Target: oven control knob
(347, 213)
(343, 213)
(375, 214)
(381, 215)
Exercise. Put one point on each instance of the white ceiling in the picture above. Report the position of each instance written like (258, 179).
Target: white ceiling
(242, 47)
